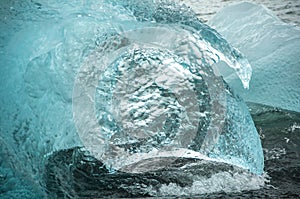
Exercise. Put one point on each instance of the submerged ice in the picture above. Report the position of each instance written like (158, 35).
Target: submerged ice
(133, 83)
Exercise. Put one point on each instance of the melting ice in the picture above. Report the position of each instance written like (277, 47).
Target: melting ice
(135, 87)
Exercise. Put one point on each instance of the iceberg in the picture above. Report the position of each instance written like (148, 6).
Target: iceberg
(132, 88)
(134, 73)
(271, 46)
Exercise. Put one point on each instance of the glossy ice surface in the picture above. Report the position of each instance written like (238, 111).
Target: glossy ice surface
(135, 85)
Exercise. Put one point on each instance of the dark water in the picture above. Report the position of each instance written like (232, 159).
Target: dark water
(73, 173)
(280, 134)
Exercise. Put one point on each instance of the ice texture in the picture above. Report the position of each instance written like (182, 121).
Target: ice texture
(124, 84)
(271, 46)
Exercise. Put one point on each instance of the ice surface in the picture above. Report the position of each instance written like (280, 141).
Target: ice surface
(119, 82)
(271, 46)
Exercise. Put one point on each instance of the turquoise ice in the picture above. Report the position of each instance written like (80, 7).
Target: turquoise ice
(122, 83)
(271, 46)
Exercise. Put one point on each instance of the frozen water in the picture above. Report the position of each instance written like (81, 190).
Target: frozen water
(271, 46)
(151, 100)
(126, 85)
